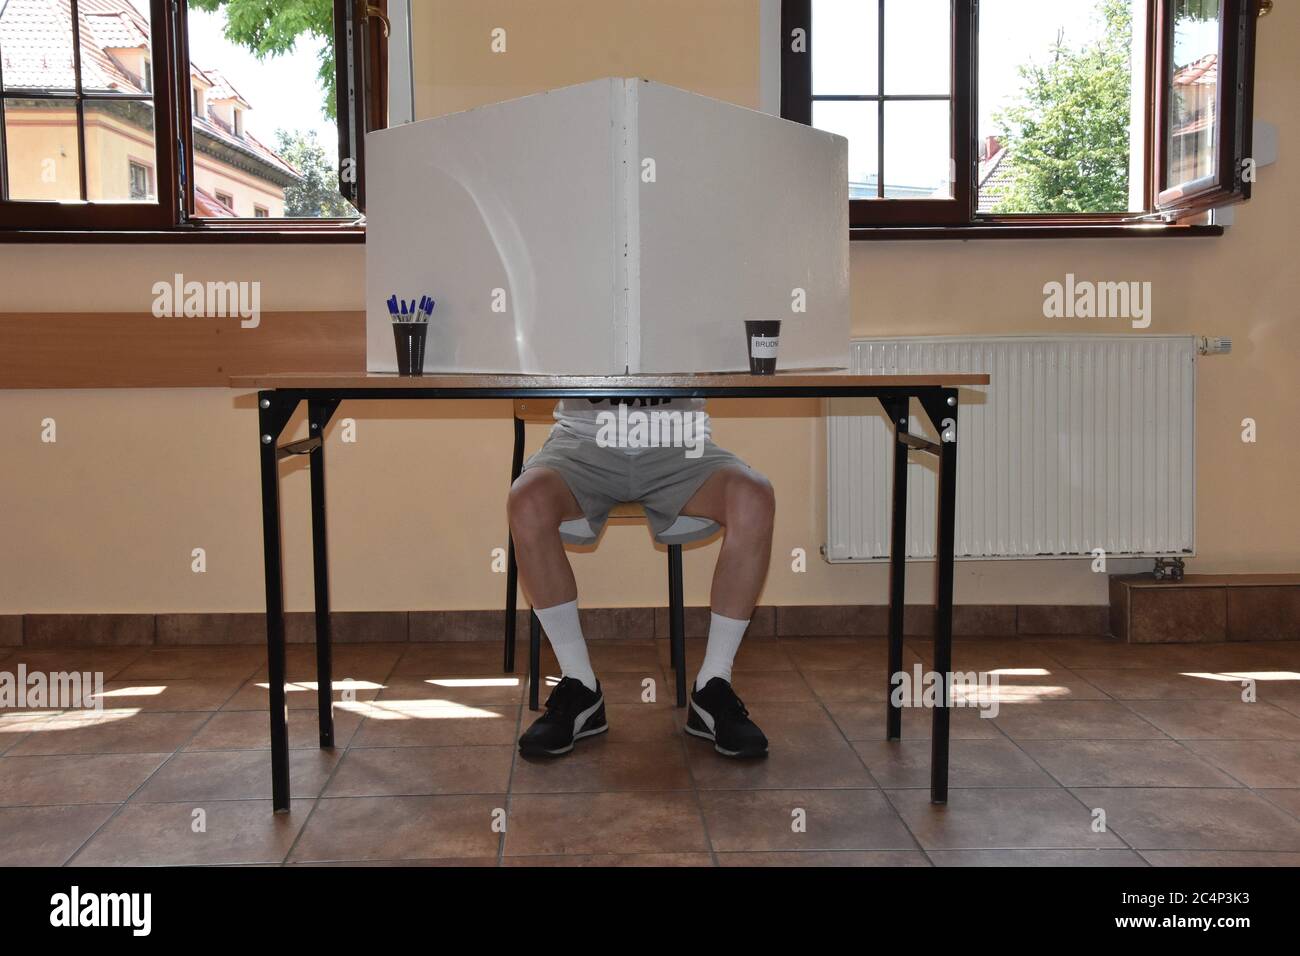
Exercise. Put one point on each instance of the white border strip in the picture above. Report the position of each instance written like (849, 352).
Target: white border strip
(401, 72)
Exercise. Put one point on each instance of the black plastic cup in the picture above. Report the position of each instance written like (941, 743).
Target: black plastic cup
(410, 338)
(762, 338)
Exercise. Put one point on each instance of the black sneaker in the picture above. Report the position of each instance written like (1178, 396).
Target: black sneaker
(572, 712)
(717, 714)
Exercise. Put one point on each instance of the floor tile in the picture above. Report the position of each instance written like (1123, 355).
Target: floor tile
(544, 824)
(234, 775)
(1194, 819)
(108, 661)
(66, 780)
(761, 654)
(1288, 800)
(768, 820)
(1073, 719)
(812, 766)
(599, 764)
(171, 834)
(900, 764)
(476, 690)
(111, 732)
(47, 836)
(369, 662)
(1144, 683)
(1221, 720)
(415, 771)
(255, 694)
(251, 730)
(1125, 763)
(402, 828)
(205, 661)
(457, 657)
(1230, 858)
(1052, 858)
(435, 723)
(1000, 819)
(856, 684)
(614, 859)
(855, 858)
(1256, 763)
(1078, 653)
(865, 720)
(839, 653)
(170, 696)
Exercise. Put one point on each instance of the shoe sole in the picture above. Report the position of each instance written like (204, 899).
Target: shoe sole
(705, 735)
(539, 752)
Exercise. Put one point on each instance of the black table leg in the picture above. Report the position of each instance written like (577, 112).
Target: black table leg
(898, 411)
(941, 407)
(273, 414)
(319, 412)
(512, 566)
(677, 621)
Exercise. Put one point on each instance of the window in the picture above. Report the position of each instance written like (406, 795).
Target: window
(140, 175)
(1008, 113)
(1206, 66)
(72, 102)
(93, 137)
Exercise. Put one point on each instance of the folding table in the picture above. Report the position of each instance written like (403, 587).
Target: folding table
(278, 395)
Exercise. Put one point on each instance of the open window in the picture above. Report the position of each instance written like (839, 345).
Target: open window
(1205, 74)
(1049, 117)
(361, 32)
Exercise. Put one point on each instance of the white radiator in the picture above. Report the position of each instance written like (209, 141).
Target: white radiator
(1080, 442)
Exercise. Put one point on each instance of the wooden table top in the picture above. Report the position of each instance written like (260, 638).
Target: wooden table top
(370, 381)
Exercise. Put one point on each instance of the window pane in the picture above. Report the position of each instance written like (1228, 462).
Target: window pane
(918, 47)
(41, 149)
(265, 145)
(1062, 108)
(36, 45)
(845, 47)
(115, 50)
(918, 150)
(120, 151)
(858, 121)
(1193, 90)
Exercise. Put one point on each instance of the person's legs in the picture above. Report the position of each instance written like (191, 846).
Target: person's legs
(539, 501)
(742, 501)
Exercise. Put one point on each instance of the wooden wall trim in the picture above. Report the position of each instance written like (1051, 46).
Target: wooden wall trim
(139, 350)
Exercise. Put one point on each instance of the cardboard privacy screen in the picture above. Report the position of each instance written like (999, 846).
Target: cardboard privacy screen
(615, 226)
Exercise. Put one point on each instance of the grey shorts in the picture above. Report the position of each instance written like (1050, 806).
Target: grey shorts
(661, 480)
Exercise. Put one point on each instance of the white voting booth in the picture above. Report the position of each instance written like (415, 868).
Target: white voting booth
(618, 225)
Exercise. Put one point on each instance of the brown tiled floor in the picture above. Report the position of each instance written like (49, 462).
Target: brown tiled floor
(1101, 754)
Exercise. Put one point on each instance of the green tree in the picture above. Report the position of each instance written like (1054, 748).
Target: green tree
(1068, 136)
(317, 195)
(272, 27)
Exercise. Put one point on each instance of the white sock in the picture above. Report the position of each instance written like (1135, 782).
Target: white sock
(565, 634)
(724, 641)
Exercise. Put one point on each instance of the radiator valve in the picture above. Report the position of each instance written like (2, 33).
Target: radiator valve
(1213, 345)
(1168, 569)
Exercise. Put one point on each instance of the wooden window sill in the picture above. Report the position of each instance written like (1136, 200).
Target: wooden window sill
(1030, 231)
(340, 234)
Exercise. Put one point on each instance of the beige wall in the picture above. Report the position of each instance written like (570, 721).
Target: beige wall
(106, 518)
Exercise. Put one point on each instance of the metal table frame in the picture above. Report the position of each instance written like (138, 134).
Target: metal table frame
(276, 405)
